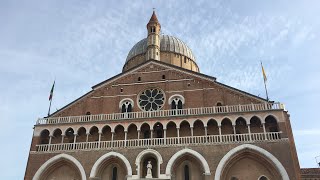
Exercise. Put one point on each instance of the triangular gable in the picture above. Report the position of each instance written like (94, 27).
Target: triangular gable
(158, 63)
(164, 66)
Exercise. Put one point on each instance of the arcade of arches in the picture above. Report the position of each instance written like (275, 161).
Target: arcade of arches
(182, 166)
(158, 130)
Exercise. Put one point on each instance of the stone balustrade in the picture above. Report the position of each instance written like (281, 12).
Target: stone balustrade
(163, 113)
(163, 142)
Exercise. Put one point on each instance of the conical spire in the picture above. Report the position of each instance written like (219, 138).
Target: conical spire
(153, 19)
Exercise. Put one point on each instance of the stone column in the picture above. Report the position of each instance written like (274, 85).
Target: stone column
(165, 136)
(50, 138)
(75, 137)
(151, 133)
(112, 136)
(264, 131)
(220, 137)
(206, 133)
(49, 144)
(178, 132)
(205, 130)
(138, 134)
(87, 139)
(74, 140)
(62, 136)
(191, 128)
(99, 139)
(234, 129)
(125, 138)
(249, 131)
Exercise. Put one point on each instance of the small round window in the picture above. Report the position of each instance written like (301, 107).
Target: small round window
(151, 99)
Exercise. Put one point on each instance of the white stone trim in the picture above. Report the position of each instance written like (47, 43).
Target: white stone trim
(145, 152)
(265, 153)
(57, 158)
(192, 152)
(98, 163)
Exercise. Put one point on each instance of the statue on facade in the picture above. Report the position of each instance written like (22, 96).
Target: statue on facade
(149, 170)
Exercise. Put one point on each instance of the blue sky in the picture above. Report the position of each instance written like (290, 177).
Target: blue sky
(81, 43)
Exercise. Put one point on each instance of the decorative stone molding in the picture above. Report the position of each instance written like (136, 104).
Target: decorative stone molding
(265, 153)
(100, 161)
(124, 101)
(176, 96)
(194, 153)
(58, 158)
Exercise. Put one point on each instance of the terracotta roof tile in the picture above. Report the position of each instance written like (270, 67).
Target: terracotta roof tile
(310, 171)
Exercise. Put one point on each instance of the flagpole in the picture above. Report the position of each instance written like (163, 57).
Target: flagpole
(265, 87)
(264, 80)
(49, 107)
(51, 96)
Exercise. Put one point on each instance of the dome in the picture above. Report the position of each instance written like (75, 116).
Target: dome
(167, 43)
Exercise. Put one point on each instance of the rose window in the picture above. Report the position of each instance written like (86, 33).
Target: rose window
(151, 99)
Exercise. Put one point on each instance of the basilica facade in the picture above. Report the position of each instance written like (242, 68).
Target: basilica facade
(162, 119)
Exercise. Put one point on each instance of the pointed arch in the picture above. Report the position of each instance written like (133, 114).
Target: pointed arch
(102, 159)
(193, 153)
(266, 154)
(58, 158)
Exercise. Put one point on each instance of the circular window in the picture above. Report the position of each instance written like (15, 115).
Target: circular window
(151, 99)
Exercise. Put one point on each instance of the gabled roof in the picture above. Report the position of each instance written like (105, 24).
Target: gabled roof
(197, 74)
(200, 75)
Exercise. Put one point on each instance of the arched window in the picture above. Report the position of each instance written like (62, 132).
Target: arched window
(186, 173)
(139, 78)
(219, 104)
(153, 29)
(126, 105)
(114, 173)
(234, 178)
(176, 101)
(44, 137)
(263, 178)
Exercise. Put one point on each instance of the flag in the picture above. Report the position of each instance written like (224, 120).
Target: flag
(263, 73)
(51, 92)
